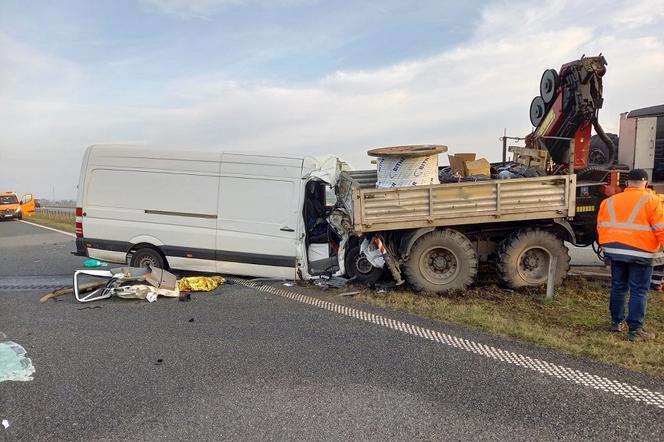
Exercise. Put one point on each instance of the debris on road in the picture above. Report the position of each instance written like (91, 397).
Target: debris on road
(326, 282)
(94, 263)
(353, 293)
(5, 423)
(69, 290)
(200, 283)
(14, 365)
(129, 283)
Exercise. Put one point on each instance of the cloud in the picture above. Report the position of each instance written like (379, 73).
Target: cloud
(463, 96)
(188, 9)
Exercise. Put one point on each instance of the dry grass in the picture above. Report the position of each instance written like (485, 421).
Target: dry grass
(576, 321)
(57, 221)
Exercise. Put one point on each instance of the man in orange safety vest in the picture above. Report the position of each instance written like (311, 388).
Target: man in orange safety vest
(630, 226)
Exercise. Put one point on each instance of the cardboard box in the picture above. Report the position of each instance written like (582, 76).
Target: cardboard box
(457, 162)
(478, 167)
(466, 165)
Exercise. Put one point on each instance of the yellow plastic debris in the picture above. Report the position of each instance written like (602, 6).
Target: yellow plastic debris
(200, 283)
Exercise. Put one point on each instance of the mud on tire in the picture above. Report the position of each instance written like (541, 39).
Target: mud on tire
(441, 261)
(523, 258)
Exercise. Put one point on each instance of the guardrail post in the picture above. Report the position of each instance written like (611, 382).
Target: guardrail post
(551, 277)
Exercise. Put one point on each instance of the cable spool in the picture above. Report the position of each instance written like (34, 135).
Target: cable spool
(405, 166)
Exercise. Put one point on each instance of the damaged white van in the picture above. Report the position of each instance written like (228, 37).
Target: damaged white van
(239, 214)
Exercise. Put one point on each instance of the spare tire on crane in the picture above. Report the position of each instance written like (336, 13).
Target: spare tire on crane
(548, 85)
(537, 110)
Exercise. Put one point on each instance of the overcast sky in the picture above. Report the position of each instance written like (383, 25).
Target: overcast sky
(297, 76)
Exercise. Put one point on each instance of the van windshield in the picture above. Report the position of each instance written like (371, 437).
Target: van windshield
(8, 199)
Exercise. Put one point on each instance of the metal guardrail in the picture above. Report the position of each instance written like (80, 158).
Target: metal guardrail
(63, 211)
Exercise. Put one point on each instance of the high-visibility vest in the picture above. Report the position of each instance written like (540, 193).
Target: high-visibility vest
(630, 226)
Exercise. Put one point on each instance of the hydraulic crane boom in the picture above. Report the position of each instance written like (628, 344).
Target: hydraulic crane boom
(566, 108)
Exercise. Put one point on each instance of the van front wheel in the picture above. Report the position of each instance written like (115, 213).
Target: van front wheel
(147, 258)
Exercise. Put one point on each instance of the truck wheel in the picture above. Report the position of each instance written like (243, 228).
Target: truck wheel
(19, 216)
(359, 267)
(147, 257)
(441, 261)
(523, 258)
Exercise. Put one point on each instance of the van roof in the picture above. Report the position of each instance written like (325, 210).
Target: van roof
(135, 150)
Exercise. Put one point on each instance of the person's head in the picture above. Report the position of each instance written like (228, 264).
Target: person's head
(637, 178)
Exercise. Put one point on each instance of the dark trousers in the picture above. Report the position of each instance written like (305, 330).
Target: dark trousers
(635, 278)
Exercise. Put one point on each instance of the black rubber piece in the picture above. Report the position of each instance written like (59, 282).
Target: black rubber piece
(355, 272)
(600, 153)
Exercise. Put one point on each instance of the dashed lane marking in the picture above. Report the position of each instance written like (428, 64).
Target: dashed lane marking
(596, 382)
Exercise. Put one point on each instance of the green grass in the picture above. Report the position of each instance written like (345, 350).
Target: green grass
(60, 222)
(576, 321)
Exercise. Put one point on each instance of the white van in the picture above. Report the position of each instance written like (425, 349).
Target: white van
(240, 214)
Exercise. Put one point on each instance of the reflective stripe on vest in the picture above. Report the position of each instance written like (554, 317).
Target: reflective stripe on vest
(629, 225)
(629, 252)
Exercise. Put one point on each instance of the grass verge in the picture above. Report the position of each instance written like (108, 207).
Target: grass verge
(576, 321)
(60, 222)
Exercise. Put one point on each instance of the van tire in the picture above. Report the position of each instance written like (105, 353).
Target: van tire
(19, 216)
(441, 261)
(147, 257)
(523, 258)
(359, 269)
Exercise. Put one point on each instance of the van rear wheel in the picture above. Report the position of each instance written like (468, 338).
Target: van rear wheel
(146, 257)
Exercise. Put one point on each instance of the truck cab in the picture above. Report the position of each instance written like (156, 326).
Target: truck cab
(14, 208)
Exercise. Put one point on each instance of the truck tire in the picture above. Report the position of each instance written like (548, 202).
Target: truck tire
(147, 257)
(19, 216)
(441, 261)
(360, 269)
(523, 258)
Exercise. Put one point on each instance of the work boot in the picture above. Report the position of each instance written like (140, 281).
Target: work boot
(640, 335)
(617, 327)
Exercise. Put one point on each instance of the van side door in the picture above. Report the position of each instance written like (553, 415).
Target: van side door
(259, 222)
(27, 205)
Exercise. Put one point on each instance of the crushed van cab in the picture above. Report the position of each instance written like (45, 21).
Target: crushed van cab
(12, 207)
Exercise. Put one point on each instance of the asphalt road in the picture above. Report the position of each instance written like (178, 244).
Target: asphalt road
(247, 363)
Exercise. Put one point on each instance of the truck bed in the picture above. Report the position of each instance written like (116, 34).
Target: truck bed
(453, 204)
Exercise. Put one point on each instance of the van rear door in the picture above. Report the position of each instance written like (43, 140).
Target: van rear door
(259, 222)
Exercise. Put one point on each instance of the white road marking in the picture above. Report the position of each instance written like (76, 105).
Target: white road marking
(50, 228)
(596, 382)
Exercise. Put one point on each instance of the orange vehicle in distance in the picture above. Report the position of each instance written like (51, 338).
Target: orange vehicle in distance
(12, 207)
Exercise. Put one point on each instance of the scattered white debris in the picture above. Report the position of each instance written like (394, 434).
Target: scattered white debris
(5, 423)
(289, 284)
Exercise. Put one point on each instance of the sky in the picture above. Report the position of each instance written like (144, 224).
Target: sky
(302, 77)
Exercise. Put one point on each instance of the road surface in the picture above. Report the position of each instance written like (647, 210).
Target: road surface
(282, 363)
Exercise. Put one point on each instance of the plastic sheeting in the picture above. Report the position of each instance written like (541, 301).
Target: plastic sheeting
(406, 172)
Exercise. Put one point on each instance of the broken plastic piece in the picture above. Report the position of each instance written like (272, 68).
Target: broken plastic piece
(372, 253)
(5, 423)
(120, 282)
(94, 263)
